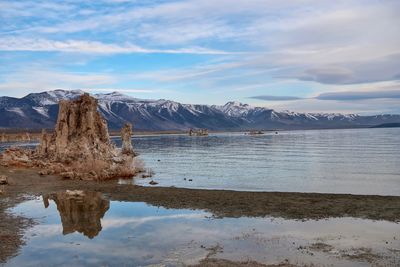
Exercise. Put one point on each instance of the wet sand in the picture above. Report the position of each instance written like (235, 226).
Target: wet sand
(301, 206)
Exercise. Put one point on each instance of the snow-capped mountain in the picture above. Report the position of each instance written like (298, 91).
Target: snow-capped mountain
(39, 110)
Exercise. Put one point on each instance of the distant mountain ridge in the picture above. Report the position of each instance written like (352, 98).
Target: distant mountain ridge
(39, 110)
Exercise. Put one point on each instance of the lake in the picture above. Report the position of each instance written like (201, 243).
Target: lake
(356, 161)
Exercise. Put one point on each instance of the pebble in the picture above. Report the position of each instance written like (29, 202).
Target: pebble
(3, 180)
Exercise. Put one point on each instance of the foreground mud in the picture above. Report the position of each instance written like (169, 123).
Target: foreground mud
(301, 206)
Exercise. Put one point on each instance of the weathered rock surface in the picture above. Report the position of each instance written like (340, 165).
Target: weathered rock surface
(80, 146)
(80, 132)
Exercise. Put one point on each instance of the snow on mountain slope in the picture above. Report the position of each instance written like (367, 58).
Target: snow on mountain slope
(234, 109)
(115, 96)
(51, 97)
(39, 110)
(18, 111)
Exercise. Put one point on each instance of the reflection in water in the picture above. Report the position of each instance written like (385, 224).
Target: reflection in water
(79, 211)
(142, 235)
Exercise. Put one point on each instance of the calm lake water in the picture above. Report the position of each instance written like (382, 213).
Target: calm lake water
(90, 230)
(357, 161)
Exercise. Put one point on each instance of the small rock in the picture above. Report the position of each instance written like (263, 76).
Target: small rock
(153, 182)
(3, 180)
(44, 172)
(93, 175)
(190, 180)
(67, 175)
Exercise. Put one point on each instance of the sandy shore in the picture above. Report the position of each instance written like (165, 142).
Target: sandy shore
(302, 206)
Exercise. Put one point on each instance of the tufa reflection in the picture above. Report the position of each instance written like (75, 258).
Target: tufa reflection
(79, 211)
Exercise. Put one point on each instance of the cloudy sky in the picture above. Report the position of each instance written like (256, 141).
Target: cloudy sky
(303, 55)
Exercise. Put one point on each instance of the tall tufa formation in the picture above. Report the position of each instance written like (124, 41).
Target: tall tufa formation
(80, 132)
(80, 146)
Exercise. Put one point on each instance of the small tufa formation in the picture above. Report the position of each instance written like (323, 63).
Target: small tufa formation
(26, 137)
(255, 132)
(3, 138)
(126, 134)
(199, 132)
(42, 148)
(80, 146)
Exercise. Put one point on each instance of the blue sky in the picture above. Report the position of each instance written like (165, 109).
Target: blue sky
(304, 55)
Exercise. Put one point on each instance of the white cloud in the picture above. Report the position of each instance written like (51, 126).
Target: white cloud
(120, 90)
(25, 44)
(366, 107)
(31, 80)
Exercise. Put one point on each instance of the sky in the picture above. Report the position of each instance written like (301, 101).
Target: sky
(304, 55)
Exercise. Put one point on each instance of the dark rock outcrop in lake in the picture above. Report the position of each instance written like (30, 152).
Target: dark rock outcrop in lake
(80, 146)
(39, 110)
(79, 211)
(198, 132)
(387, 125)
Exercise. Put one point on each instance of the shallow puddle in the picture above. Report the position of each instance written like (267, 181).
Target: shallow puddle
(78, 228)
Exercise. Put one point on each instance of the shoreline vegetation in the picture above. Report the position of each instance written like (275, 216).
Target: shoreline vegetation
(26, 183)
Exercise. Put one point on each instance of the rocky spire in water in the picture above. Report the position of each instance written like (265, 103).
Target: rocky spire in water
(126, 135)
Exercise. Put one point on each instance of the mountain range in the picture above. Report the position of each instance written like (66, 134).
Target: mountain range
(39, 110)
